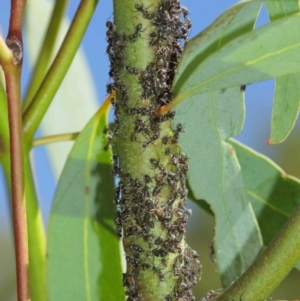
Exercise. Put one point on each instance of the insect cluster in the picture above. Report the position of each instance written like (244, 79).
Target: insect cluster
(151, 213)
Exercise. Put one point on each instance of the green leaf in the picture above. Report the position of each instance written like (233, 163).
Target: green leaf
(286, 107)
(234, 22)
(274, 194)
(286, 99)
(77, 88)
(269, 51)
(42, 61)
(84, 261)
(215, 176)
(280, 8)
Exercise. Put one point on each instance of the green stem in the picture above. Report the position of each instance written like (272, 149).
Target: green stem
(4, 129)
(149, 162)
(42, 99)
(273, 265)
(46, 51)
(36, 236)
(54, 138)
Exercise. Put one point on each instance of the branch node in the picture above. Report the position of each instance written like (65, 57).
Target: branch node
(15, 45)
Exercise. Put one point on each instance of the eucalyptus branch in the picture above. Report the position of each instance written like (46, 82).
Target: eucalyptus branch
(55, 138)
(42, 99)
(265, 274)
(45, 53)
(151, 167)
(12, 72)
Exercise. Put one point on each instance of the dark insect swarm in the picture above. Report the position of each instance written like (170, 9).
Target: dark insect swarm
(139, 207)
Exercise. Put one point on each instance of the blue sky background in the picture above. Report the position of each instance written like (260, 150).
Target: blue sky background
(203, 13)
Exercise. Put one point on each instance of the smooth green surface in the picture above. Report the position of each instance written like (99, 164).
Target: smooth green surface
(215, 176)
(56, 73)
(4, 130)
(36, 236)
(274, 194)
(41, 64)
(270, 51)
(285, 108)
(84, 261)
(234, 22)
(280, 8)
(287, 90)
(76, 88)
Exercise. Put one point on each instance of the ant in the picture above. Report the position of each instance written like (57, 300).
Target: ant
(144, 11)
(135, 35)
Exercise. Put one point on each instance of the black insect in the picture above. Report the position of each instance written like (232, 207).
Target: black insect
(109, 25)
(135, 248)
(132, 70)
(159, 273)
(136, 33)
(156, 190)
(243, 88)
(160, 253)
(154, 163)
(110, 88)
(144, 11)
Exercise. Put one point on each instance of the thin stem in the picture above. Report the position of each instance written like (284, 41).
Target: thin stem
(42, 99)
(265, 274)
(36, 236)
(12, 76)
(55, 138)
(45, 53)
(16, 19)
(17, 185)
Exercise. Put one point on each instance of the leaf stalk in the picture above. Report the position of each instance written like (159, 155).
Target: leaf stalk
(55, 138)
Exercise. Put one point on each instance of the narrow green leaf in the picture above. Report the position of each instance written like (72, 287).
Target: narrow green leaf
(286, 99)
(234, 22)
(215, 176)
(46, 51)
(84, 261)
(274, 194)
(270, 51)
(67, 107)
(286, 107)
